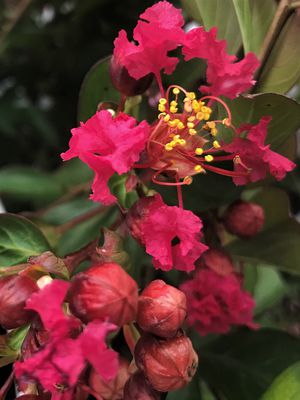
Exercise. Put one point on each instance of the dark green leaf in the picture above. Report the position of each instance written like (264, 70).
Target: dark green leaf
(19, 239)
(73, 172)
(96, 88)
(189, 392)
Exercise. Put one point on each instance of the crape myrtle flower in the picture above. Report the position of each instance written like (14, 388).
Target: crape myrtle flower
(216, 303)
(58, 364)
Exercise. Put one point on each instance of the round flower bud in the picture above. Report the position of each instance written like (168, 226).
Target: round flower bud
(102, 292)
(217, 260)
(14, 291)
(161, 309)
(244, 219)
(138, 388)
(168, 364)
(110, 390)
(137, 214)
(124, 83)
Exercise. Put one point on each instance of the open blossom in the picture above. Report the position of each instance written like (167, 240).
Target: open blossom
(58, 364)
(256, 156)
(107, 145)
(215, 302)
(170, 234)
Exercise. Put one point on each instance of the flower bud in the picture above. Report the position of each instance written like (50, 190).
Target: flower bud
(110, 390)
(217, 260)
(161, 309)
(168, 364)
(244, 219)
(124, 83)
(138, 388)
(104, 292)
(14, 291)
(137, 214)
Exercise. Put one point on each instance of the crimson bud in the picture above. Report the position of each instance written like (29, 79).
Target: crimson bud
(168, 364)
(104, 291)
(244, 219)
(14, 291)
(161, 309)
(138, 388)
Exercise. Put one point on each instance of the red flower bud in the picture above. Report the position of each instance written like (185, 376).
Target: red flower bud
(169, 364)
(104, 292)
(124, 83)
(110, 390)
(217, 260)
(136, 215)
(244, 219)
(161, 309)
(138, 388)
(14, 291)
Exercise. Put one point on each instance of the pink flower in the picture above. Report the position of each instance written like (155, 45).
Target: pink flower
(256, 156)
(224, 76)
(58, 365)
(107, 145)
(216, 302)
(158, 32)
(162, 225)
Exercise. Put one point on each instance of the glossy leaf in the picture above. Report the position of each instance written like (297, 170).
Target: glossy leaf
(243, 365)
(218, 13)
(19, 239)
(73, 172)
(255, 17)
(96, 88)
(282, 68)
(286, 386)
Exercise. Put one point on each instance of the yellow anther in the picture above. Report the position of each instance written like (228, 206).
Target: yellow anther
(162, 101)
(176, 137)
(188, 107)
(180, 125)
(226, 122)
(192, 132)
(161, 107)
(173, 103)
(173, 143)
(206, 116)
(190, 125)
(186, 99)
(200, 116)
(161, 115)
(214, 132)
(176, 120)
(209, 158)
(205, 109)
(182, 142)
(191, 95)
(191, 118)
(198, 168)
(167, 118)
(176, 90)
(187, 180)
(199, 151)
(195, 105)
(168, 147)
(172, 123)
(173, 109)
(211, 124)
(216, 144)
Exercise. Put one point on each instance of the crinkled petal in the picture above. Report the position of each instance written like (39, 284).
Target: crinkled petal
(278, 164)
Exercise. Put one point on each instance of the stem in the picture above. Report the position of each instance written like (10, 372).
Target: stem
(5, 388)
(122, 103)
(81, 218)
(282, 13)
(160, 85)
(179, 194)
(74, 259)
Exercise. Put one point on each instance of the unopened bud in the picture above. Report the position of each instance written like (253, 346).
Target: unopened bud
(244, 219)
(14, 291)
(104, 292)
(161, 309)
(217, 260)
(110, 390)
(124, 83)
(168, 364)
(138, 388)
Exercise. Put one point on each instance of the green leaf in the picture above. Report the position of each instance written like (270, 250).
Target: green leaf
(73, 172)
(29, 184)
(117, 185)
(243, 365)
(285, 114)
(286, 386)
(95, 89)
(255, 17)
(189, 392)
(19, 239)
(282, 68)
(219, 13)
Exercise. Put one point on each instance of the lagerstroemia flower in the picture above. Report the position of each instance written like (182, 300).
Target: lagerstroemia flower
(57, 365)
(107, 145)
(215, 302)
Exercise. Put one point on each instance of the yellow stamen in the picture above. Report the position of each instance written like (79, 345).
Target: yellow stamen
(167, 118)
(168, 147)
(190, 125)
(163, 100)
(174, 103)
(173, 109)
(176, 90)
(161, 115)
(192, 132)
(191, 95)
(187, 180)
(182, 142)
(191, 118)
(216, 144)
(161, 107)
(199, 151)
(198, 168)
(200, 116)
(209, 158)
(214, 132)
(195, 105)
(180, 125)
